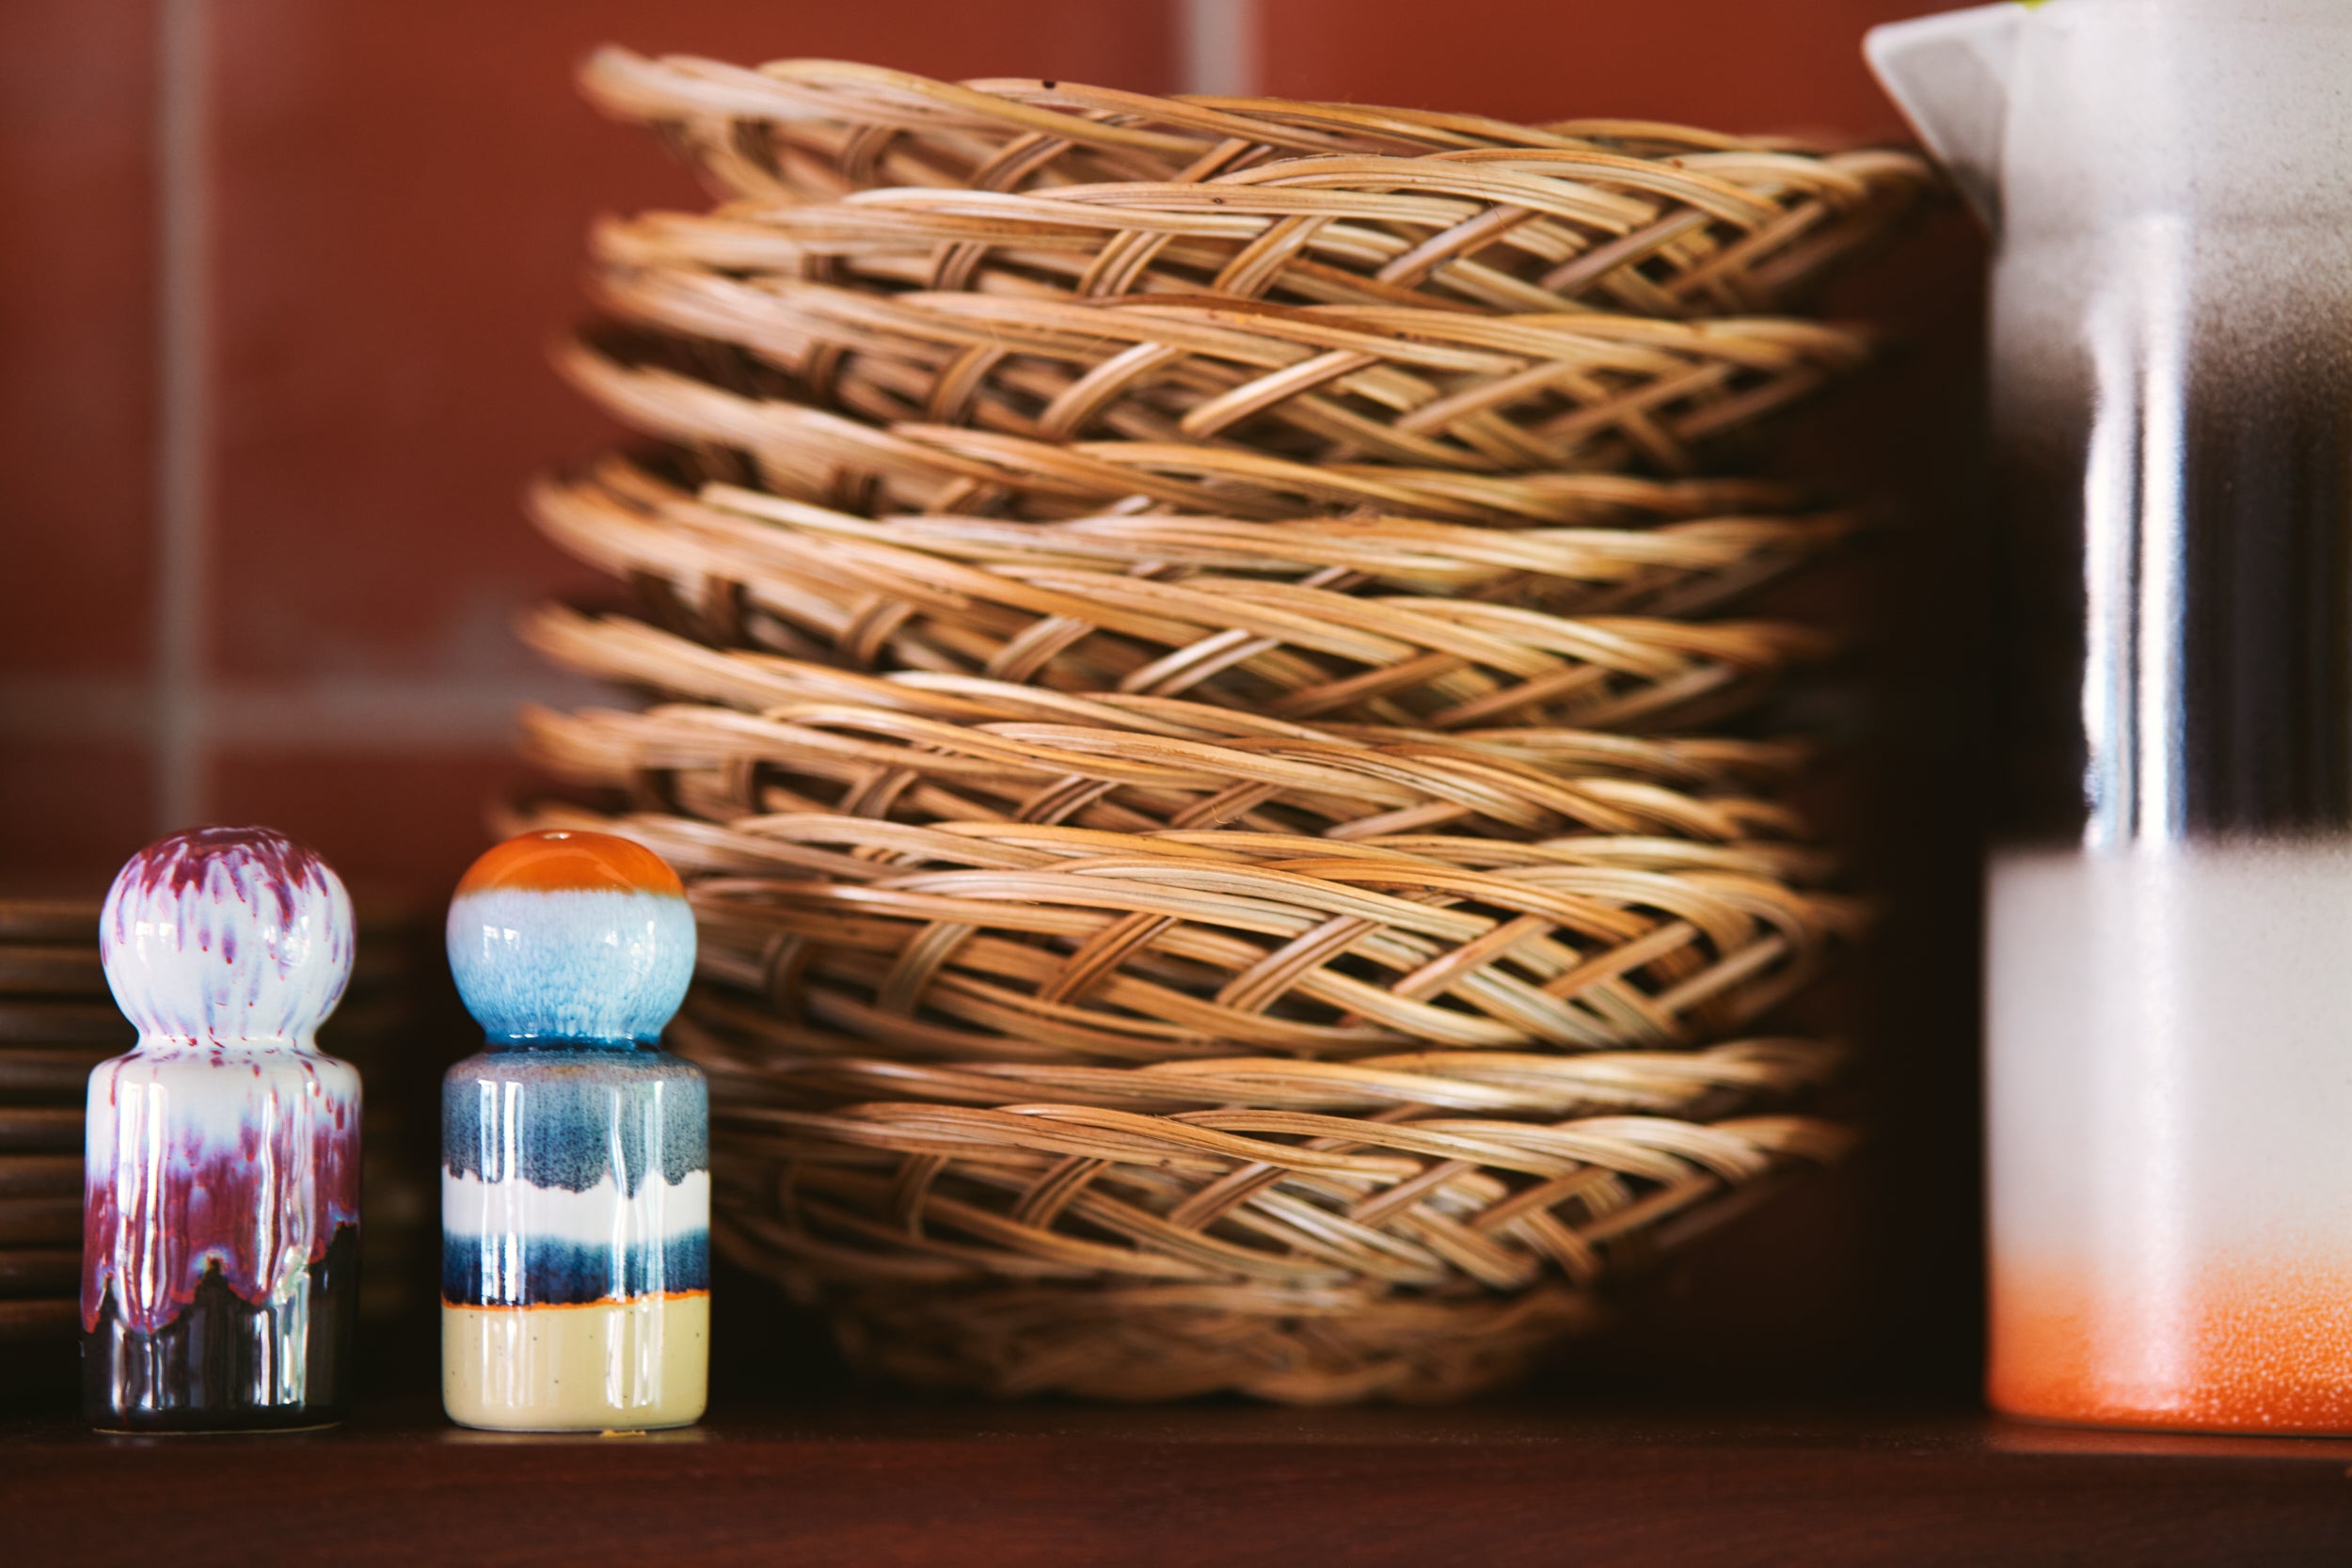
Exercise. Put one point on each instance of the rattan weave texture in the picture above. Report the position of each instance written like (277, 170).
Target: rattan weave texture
(1181, 635)
(1341, 384)
(741, 416)
(736, 567)
(1404, 1228)
(621, 648)
(981, 751)
(1101, 191)
(989, 940)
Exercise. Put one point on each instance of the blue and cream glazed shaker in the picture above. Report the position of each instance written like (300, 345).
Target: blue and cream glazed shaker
(574, 1151)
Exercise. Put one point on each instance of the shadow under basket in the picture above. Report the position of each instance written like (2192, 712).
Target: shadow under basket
(1148, 1344)
(1384, 1246)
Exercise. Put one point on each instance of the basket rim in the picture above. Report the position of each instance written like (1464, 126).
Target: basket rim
(818, 1069)
(1350, 199)
(1387, 385)
(629, 85)
(955, 466)
(1316, 650)
(876, 758)
(692, 533)
(1446, 940)
(622, 648)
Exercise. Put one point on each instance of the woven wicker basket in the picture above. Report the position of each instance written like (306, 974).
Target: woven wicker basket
(769, 439)
(955, 750)
(782, 576)
(1065, 1215)
(1402, 1226)
(622, 649)
(1153, 634)
(1316, 202)
(987, 940)
(1672, 569)
(1409, 1228)
(1355, 384)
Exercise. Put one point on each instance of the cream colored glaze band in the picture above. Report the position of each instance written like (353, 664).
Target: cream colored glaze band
(610, 1366)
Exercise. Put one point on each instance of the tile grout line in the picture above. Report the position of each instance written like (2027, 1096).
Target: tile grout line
(1219, 57)
(1220, 53)
(182, 499)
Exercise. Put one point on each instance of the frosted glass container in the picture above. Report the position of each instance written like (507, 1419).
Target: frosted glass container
(2169, 897)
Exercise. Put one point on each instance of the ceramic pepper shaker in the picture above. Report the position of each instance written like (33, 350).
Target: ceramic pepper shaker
(221, 1195)
(574, 1151)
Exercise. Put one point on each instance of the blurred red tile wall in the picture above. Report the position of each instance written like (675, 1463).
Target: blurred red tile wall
(393, 199)
(77, 434)
(1736, 65)
(392, 196)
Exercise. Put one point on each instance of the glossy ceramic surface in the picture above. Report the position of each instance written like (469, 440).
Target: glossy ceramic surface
(221, 1207)
(571, 939)
(576, 1163)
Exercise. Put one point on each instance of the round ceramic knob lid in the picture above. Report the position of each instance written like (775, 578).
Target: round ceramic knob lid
(225, 934)
(571, 938)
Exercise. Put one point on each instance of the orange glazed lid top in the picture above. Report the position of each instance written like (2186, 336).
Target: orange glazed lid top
(560, 861)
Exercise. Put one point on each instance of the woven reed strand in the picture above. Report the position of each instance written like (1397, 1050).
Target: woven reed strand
(1161, 1186)
(619, 648)
(1021, 942)
(1338, 384)
(1676, 568)
(954, 748)
(1321, 202)
(934, 757)
(742, 418)
(773, 573)
(1094, 1249)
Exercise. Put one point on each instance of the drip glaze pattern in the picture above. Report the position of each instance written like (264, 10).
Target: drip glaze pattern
(221, 1200)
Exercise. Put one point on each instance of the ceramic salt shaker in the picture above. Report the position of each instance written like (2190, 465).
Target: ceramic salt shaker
(221, 1191)
(574, 1151)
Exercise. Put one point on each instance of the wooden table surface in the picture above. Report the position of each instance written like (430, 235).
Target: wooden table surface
(877, 1482)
